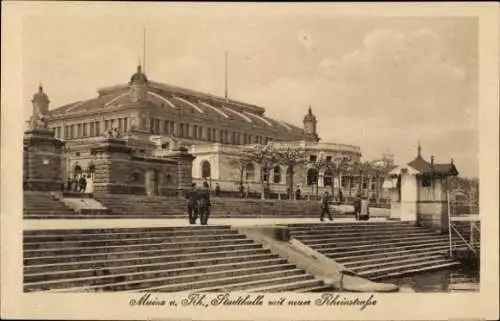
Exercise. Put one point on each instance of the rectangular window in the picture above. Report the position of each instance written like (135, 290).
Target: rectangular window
(209, 134)
(120, 125)
(328, 158)
(91, 129)
(97, 128)
(84, 129)
(125, 124)
(313, 158)
(151, 125)
(188, 134)
(195, 131)
(106, 124)
(79, 131)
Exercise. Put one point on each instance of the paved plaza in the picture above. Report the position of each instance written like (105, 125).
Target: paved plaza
(129, 223)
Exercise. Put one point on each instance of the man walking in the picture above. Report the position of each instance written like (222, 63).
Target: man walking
(204, 204)
(324, 207)
(192, 202)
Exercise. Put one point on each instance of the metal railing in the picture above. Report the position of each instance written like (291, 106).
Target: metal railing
(468, 214)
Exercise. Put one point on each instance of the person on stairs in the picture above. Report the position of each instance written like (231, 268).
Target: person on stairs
(324, 207)
(192, 203)
(357, 206)
(204, 204)
(82, 182)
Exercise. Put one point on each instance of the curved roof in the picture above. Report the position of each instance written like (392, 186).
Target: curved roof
(185, 102)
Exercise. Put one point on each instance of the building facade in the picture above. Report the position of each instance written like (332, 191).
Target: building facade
(153, 117)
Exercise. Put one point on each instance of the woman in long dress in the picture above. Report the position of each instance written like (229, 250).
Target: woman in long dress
(89, 189)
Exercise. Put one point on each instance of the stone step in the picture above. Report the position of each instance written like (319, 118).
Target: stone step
(122, 248)
(306, 226)
(244, 286)
(386, 254)
(123, 236)
(128, 253)
(394, 258)
(260, 275)
(405, 269)
(365, 238)
(348, 228)
(361, 244)
(398, 262)
(286, 287)
(430, 266)
(65, 266)
(130, 241)
(61, 232)
(187, 282)
(379, 248)
(177, 268)
(352, 231)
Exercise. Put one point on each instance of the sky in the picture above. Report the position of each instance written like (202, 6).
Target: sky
(381, 83)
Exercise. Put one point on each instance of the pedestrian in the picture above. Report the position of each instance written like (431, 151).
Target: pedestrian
(204, 204)
(324, 207)
(192, 202)
(217, 189)
(357, 206)
(82, 184)
(69, 182)
(242, 190)
(74, 183)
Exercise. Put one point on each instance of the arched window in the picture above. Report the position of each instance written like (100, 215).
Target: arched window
(312, 177)
(205, 169)
(250, 172)
(328, 178)
(277, 174)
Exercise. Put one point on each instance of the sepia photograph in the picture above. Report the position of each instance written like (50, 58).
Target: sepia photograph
(220, 156)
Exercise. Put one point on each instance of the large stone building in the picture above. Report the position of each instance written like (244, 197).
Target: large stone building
(153, 117)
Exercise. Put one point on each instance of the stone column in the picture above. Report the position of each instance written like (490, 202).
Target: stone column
(42, 160)
(112, 166)
(184, 169)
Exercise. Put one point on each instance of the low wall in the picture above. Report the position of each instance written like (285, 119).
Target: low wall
(268, 207)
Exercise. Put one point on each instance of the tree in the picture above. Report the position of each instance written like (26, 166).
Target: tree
(290, 157)
(363, 168)
(265, 157)
(240, 163)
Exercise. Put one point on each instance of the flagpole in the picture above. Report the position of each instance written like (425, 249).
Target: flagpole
(225, 75)
(144, 50)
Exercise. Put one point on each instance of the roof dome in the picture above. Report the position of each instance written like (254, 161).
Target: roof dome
(40, 95)
(309, 117)
(139, 77)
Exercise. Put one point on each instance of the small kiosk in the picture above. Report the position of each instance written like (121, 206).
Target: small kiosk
(419, 192)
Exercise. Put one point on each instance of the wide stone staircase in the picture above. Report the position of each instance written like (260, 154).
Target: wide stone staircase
(162, 259)
(44, 205)
(378, 250)
(159, 207)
